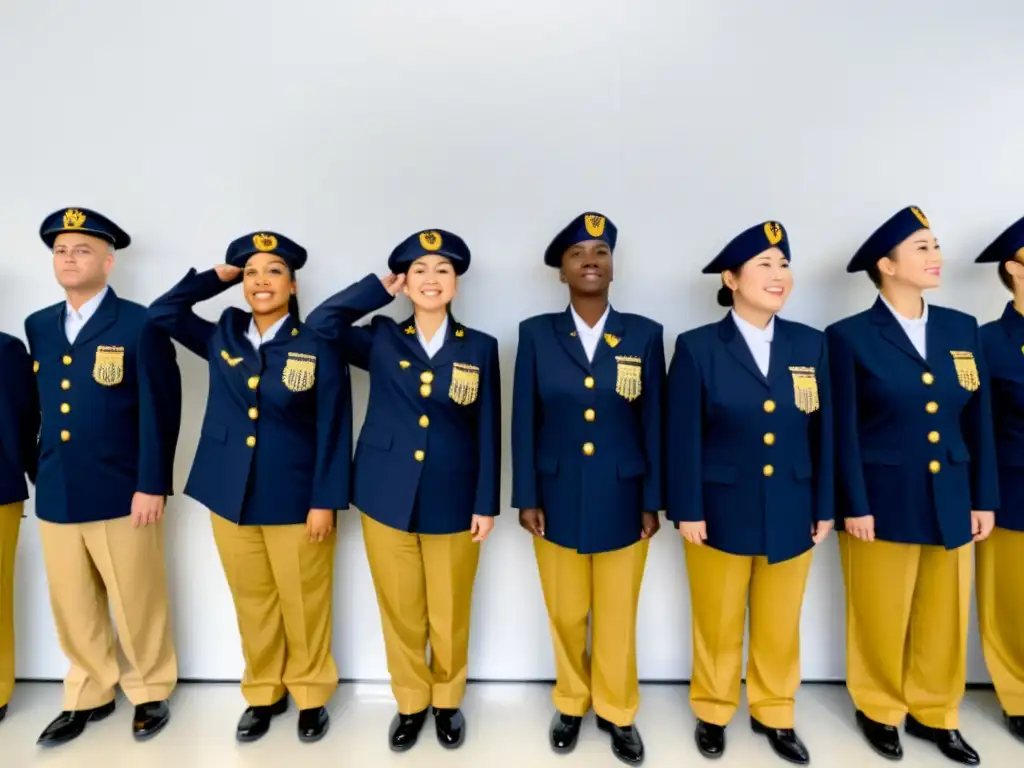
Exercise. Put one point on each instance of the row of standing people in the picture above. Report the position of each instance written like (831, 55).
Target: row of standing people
(771, 431)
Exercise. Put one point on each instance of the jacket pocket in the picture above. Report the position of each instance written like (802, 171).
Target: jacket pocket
(214, 431)
(375, 437)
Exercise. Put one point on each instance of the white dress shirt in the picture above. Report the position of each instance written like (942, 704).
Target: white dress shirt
(914, 328)
(75, 319)
(759, 340)
(433, 346)
(253, 334)
(590, 337)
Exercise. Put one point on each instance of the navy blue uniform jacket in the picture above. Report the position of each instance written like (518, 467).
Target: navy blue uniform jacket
(914, 438)
(1003, 342)
(111, 411)
(750, 455)
(19, 420)
(428, 456)
(586, 437)
(277, 434)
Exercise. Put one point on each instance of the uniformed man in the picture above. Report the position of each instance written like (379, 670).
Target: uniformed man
(1000, 574)
(916, 484)
(749, 477)
(587, 479)
(427, 471)
(19, 427)
(110, 397)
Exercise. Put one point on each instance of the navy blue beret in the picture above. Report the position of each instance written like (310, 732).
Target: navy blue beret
(748, 244)
(898, 228)
(1006, 247)
(85, 221)
(240, 250)
(586, 226)
(430, 242)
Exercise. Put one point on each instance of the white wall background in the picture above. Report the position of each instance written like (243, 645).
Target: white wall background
(350, 125)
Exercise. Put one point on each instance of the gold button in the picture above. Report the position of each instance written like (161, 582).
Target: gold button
(934, 467)
(425, 390)
(254, 381)
(419, 455)
(65, 435)
(768, 470)
(933, 437)
(589, 382)
(769, 406)
(65, 408)
(250, 441)
(589, 414)
(932, 407)
(427, 377)
(254, 413)
(928, 378)
(65, 384)
(769, 438)
(67, 359)
(424, 421)
(588, 449)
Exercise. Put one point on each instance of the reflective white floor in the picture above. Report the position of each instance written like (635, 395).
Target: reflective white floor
(507, 727)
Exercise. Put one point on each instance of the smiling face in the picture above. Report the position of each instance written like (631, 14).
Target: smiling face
(267, 284)
(763, 283)
(430, 282)
(587, 268)
(81, 262)
(916, 262)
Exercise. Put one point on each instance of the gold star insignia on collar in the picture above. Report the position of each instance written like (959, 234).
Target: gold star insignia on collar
(612, 341)
(410, 330)
(232, 361)
(459, 333)
(573, 334)
(295, 331)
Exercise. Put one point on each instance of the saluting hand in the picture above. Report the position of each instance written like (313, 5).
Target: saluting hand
(862, 528)
(695, 533)
(821, 530)
(319, 524)
(227, 273)
(533, 521)
(982, 524)
(393, 283)
(481, 527)
(146, 509)
(652, 524)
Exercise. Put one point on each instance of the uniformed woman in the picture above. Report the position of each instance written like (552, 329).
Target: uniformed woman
(916, 484)
(999, 572)
(750, 485)
(587, 469)
(272, 466)
(427, 470)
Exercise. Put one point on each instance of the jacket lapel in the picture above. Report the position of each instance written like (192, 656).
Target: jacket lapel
(565, 331)
(893, 332)
(737, 347)
(104, 317)
(614, 330)
(781, 346)
(454, 339)
(406, 333)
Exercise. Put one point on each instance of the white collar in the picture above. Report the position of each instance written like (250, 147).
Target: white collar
(442, 331)
(751, 331)
(908, 321)
(583, 327)
(254, 332)
(88, 309)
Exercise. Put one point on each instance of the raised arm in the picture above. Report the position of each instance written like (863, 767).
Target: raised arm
(335, 318)
(173, 313)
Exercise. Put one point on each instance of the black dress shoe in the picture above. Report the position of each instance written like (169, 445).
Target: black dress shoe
(710, 739)
(3, 712)
(784, 741)
(1014, 724)
(313, 724)
(565, 731)
(68, 726)
(949, 742)
(150, 719)
(405, 730)
(884, 739)
(626, 742)
(450, 725)
(255, 721)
